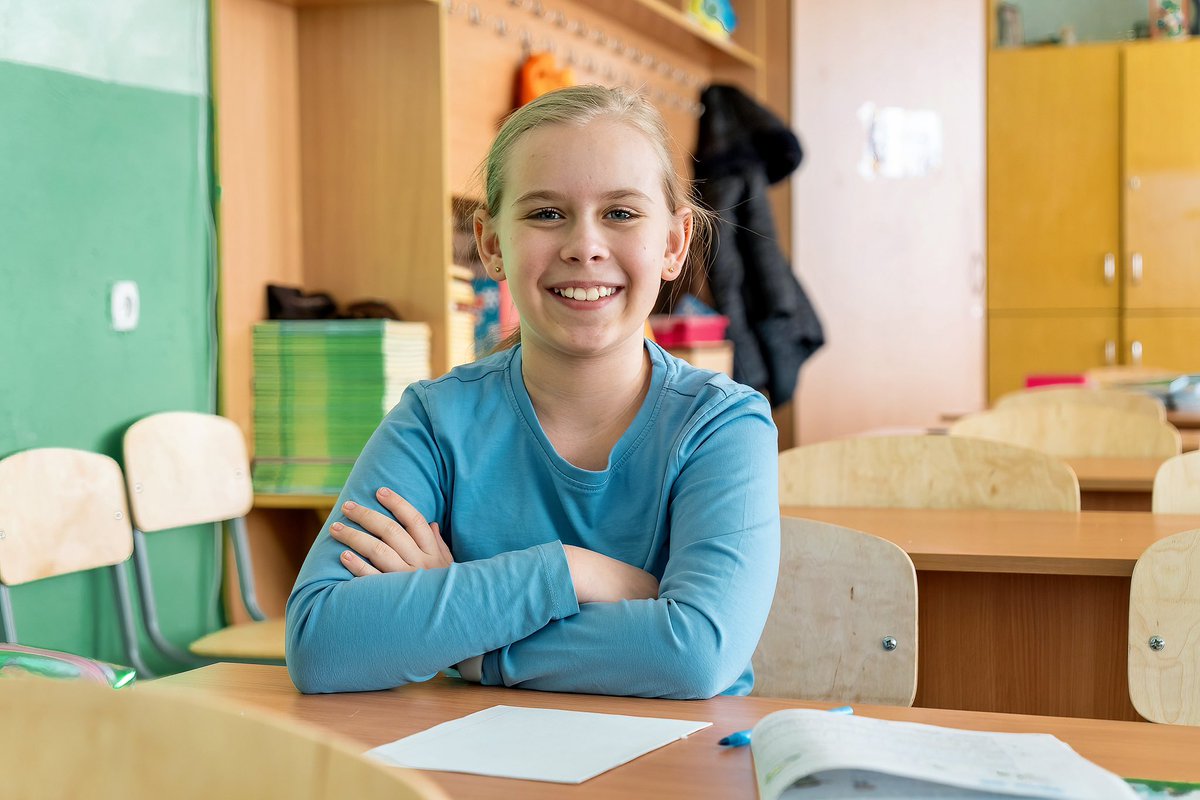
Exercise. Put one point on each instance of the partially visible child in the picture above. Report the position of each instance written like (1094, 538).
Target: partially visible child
(581, 511)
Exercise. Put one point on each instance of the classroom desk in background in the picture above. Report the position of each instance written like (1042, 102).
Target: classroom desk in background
(1022, 612)
(1115, 484)
(695, 767)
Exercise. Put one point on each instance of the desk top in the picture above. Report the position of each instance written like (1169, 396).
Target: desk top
(694, 767)
(1032, 542)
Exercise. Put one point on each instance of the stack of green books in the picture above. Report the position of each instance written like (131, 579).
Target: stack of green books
(321, 387)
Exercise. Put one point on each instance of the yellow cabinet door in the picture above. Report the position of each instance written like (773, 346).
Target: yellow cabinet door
(1162, 175)
(1170, 342)
(1024, 345)
(1053, 182)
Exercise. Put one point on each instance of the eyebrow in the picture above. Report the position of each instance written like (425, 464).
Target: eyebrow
(541, 195)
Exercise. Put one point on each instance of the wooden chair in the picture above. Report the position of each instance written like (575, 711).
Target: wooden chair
(925, 472)
(1136, 402)
(185, 468)
(1164, 631)
(1074, 431)
(1177, 485)
(63, 511)
(67, 739)
(843, 625)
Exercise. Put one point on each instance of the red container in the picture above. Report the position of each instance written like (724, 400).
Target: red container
(680, 331)
(1033, 381)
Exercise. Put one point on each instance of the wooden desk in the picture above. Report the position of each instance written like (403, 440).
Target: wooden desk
(694, 767)
(1020, 611)
(1115, 484)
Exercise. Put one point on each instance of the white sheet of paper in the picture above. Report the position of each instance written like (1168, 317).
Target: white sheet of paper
(537, 744)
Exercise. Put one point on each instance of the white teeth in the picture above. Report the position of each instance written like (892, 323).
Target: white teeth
(591, 293)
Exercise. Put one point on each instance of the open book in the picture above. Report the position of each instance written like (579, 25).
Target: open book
(810, 755)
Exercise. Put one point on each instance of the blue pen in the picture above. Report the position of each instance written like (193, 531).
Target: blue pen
(742, 738)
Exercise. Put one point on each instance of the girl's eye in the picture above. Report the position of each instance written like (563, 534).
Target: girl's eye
(622, 214)
(546, 214)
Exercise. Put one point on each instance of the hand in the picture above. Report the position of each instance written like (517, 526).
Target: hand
(402, 542)
(600, 579)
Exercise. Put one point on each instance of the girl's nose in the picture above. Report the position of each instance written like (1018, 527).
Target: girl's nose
(584, 245)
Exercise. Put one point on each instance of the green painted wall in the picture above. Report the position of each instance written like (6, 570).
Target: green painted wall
(103, 180)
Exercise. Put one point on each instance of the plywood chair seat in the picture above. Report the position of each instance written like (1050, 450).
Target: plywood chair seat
(1164, 631)
(251, 641)
(843, 624)
(76, 739)
(1177, 485)
(1133, 401)
(925, 472)
(1074, 431)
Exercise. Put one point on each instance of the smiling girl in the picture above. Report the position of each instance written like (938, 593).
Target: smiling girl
(580, 511)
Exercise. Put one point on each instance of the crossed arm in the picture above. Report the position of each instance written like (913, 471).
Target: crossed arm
(402, 541)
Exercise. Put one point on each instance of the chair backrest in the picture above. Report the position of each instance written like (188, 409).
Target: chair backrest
(1074, 431)
(77, 739)
(925, 472)
(1136, 402)
(843, 599)
(61, 511)
(186, 468)
(1164, 631)
(1177, 485)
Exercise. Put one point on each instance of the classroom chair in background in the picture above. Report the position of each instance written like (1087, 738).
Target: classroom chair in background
(64, 511)
(843, 625)
(1164, 631)
(76, 739)
(925, 472)
(1136, 402)
(1074, 431)
(1177, 485)
(186, 468)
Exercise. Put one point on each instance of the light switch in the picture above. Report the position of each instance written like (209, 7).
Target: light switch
(124, 305)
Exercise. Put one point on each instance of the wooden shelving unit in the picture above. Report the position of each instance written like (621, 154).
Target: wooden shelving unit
(345, 128)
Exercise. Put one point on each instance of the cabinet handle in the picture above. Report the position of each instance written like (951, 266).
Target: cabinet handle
(1135, 352)
(1135, 269)
(1110, 352)
(1110, 269)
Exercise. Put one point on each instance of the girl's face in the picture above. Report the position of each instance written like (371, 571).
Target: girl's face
(584, 236)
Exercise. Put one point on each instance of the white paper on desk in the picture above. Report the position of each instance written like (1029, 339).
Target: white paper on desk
(536, 744)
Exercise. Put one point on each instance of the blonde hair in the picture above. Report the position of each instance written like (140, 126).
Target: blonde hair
(578, 106)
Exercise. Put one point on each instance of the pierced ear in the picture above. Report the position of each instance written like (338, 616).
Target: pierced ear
(487, 243)
(679, 239)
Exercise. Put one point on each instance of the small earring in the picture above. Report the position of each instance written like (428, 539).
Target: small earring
(497, 269)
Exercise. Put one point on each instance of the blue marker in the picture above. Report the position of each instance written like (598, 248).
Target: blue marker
(742, 738)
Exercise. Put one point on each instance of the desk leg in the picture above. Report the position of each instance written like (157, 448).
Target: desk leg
(1025, 644)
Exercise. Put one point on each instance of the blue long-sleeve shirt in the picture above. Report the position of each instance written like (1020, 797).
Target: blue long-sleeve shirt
(689, 495)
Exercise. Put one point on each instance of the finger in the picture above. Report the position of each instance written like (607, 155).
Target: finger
(383, 527)
(411, 519)
(369, 547)
(357, 566)
(441, 543)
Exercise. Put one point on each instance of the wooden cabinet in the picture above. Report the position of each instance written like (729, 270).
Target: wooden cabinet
(345, 130)
(1093, 179)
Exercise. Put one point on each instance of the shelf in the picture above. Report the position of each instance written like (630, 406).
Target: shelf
(676, 30)
(317, 502)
